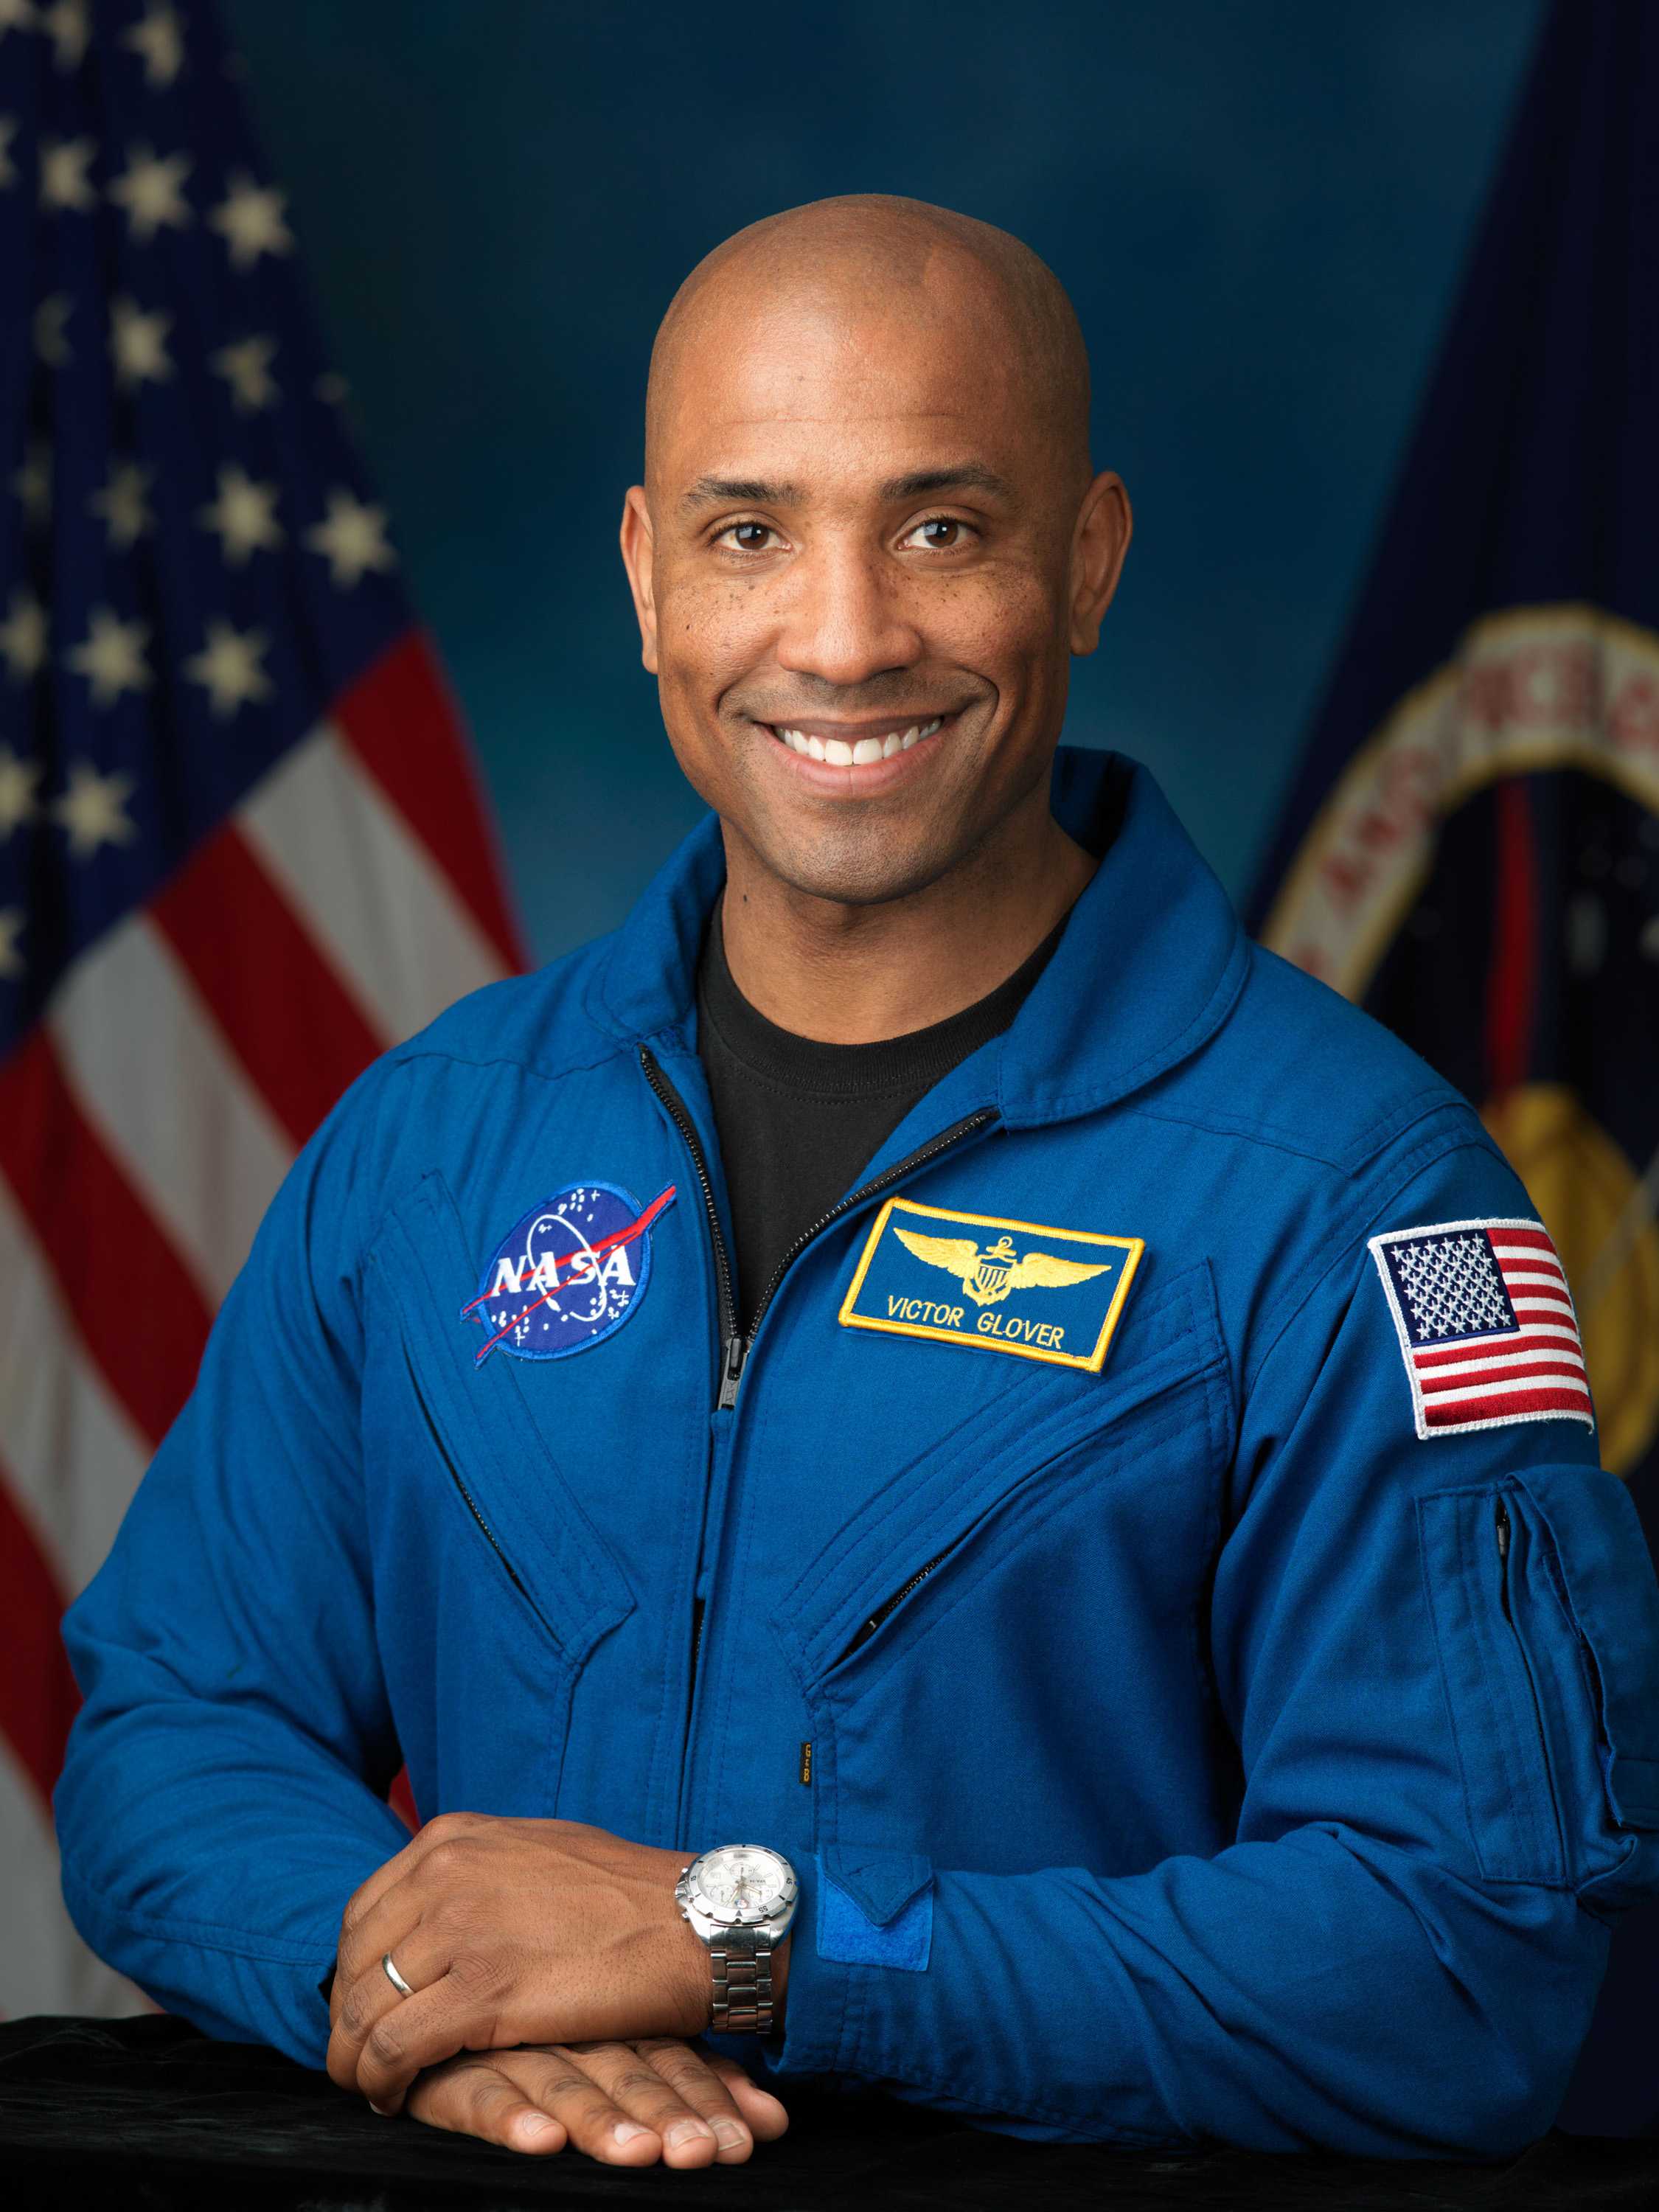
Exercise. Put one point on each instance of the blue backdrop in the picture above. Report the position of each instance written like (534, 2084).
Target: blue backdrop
(1260, 213)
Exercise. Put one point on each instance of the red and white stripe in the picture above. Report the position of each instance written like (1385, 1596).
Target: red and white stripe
(1534, 1370)
(145, 1123)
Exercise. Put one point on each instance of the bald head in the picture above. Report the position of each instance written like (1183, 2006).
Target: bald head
(856, 260)
(869, 526)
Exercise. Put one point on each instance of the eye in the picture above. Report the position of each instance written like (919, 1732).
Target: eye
(749, 536)
(940, 533)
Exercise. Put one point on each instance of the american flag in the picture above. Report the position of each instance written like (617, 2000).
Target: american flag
(1486, 1324)
(241, 851)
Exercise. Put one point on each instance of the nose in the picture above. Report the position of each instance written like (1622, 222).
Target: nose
(845, 619)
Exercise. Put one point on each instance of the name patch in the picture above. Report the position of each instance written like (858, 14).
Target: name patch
(975, 1278)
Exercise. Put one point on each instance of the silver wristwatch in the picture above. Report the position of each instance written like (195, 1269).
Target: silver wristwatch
(739, 1899)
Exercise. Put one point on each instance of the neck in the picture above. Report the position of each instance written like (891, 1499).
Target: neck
(854, 975)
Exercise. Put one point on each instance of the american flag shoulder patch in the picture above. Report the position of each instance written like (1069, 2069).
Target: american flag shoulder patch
(1486, 1324)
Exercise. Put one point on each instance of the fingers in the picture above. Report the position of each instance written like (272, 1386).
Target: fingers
(364, 1899)
(398, 1896)
(465, 2008)
(471, 2096)
(712, 2088)
(372, 1926)
(379, 2039)
(761, 2111)
(612, 2103)
(625, 2104)
(691, 2078)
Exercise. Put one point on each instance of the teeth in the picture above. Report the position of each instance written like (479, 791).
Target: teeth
(840, 754)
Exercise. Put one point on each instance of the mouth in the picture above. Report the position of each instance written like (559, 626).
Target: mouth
(840, 745)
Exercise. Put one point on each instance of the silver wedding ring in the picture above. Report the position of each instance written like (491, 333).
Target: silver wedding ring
(394, 1977)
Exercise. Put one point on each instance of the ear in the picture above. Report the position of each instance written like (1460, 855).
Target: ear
(639, 556)
(1104, 525)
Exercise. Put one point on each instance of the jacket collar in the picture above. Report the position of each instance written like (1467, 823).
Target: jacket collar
(1147, 971)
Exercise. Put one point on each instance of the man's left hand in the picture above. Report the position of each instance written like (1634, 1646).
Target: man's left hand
(510, 1931)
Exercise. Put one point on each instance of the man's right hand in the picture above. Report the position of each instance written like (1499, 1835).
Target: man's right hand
(628, 2104)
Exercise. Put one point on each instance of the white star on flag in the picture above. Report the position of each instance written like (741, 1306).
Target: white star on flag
(151, 190)
(8, 166)
(51, 345)
(23, 635)
(228, 667)
(159, 38)
(139, 343)
(123, 505)
(11, 925)
(250, 220)
(17, 16)
(18, 778)
(64, 183)
(66, 24)
(112, 657)
(244, 514)
(353, 539)
(93, 809)
(246, 366)
(33, 481)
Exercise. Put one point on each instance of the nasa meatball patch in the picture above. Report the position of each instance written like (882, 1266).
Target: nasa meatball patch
(990, 1284)
(568, 1274)
(1486, 1324)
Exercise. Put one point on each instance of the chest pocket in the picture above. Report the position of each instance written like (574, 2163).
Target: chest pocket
(526, 1586)
(960, 1644)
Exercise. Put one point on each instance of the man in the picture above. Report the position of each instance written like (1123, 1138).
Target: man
(926, 1352)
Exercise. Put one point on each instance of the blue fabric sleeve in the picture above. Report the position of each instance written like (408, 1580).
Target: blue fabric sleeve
(212, 1813)
(1399, 1953)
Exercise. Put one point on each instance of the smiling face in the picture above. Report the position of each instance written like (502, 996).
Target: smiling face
(867, 546)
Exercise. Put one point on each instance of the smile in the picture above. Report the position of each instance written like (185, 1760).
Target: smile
(837, 752)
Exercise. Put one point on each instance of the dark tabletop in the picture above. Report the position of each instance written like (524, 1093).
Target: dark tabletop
(147, 2115)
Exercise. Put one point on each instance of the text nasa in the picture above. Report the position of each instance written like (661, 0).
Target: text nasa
(582, 1268)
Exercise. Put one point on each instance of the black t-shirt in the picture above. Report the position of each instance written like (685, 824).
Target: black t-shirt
(799, 1120)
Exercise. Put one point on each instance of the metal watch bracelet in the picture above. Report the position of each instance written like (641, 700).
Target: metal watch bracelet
(741, 1960)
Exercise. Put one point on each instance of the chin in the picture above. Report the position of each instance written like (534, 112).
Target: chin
(860, 871)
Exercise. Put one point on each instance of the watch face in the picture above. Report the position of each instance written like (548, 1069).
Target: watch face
(745, 1882)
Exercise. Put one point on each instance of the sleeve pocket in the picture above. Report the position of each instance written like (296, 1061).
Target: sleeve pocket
(1547, 1620)
(875, 1908)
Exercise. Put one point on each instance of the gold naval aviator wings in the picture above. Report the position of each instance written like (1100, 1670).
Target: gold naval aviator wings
(913, 1280)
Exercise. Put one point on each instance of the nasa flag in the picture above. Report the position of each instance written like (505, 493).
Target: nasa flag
(1471, 847)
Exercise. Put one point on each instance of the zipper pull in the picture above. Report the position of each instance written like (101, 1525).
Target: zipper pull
(731, 1370)
(1503, 1530)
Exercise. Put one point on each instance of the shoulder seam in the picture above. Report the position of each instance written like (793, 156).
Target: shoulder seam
(1425, 1153)
(405, 1055)
(1417, 1106)
(401, 1057)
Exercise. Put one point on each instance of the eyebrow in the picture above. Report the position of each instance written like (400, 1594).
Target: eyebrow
(707, 490)
(969, 476)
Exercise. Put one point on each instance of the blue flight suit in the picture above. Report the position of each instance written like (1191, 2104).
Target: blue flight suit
(1174, 1741)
